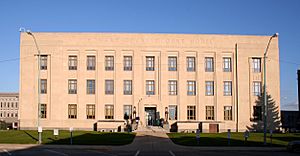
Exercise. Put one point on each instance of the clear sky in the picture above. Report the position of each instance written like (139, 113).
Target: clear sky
(256, 17)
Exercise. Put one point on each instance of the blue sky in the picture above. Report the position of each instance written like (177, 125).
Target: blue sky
(257, 17)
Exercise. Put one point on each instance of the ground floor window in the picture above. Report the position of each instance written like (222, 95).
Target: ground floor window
(90, 111)
(172, 112)
(227, 113)
(210, 113)
(191, 112)
(43, 111)
(127, 111)
(257, 113)
(109, 112)
(72, 111)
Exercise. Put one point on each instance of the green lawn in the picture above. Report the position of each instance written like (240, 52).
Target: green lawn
(237, 139)
(79, 137)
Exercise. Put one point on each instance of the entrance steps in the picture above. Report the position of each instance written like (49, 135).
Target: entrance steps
(150, 129)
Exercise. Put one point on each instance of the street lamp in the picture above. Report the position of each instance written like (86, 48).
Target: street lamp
(265, 87)
(39, 111)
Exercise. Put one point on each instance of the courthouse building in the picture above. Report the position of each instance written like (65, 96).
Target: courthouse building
(91, 80)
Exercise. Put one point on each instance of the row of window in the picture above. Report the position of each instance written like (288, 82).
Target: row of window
(150, 63)
(8, 115)
(9, 104)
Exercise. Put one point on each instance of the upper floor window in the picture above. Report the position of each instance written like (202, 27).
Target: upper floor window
(256, 65)
(191, 112)
(90, 111)
(150, 63)
(227, 113)
(127, 87)
(209, 88)
(90, 87)
(191, 87)
(43, 86)
(190, 63)
(72, 62)
(109, 87)
(127, 63)
(72, 86)
(172, 63)
(227, 64)
(91, 62)
(150, 87)
(43, 62)
(209, 64)
(109, 63)
(172, 87)
(227, 88)
(256, 88)
(43, 111)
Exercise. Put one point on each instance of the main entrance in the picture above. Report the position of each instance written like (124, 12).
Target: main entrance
(150, 116)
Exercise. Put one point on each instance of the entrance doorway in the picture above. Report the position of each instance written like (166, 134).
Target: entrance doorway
(150, 116)
(213, 128)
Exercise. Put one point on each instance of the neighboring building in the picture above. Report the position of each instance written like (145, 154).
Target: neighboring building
(9, 104)
(91, 80)
(289, 120)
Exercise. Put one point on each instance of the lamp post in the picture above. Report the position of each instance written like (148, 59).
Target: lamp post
(39, 107)
(265, 87)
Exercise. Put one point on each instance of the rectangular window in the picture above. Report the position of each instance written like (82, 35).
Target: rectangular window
(90, 111)
(109, 63)
(227, 88)
(109, 87)
(127, 63)
(150, 87)
(227, 113)
(191, 87)
(172, 63)
(72, 111)
(210, 113)
(43, 86)
(109, 112)
(43, 62)
(172, 87)
(256, 65)
(190, 63)
(90, 86)
(209, 64)
(257, 88)
(257, 113)
(209, 88)
(43, 111)
(172, 112)
(191, 112)
(91, 62)
(226, 64)
(72, 86)
(150, 63)
(127, 87)
(127, 111)
(72, 62)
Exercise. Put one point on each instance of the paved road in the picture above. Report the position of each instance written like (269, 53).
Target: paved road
(148, 142)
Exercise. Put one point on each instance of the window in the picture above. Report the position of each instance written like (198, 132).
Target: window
(209, 64)
(256, 88)
(127, 111)
(72, 86)
(150, 87)
(43, 62)
(257, 113)
(91, 62)
(149, 63)
(172, 112)
(12, 104)
(7, 104)
(43, 111)
(72, 111)
(90, 87)
(109, 87)
(226, 64)
(127, 63)
(227, 113)
(191, 112)
(90, 111)
(43, 86)
(209, 112)
(209, 88)
(190, 63)
(191, 87)
(127, 87)
(227, 88)
(72, 62)
(109, 63)
(172, 87)
(172, 62)
(256, 65)
(17, 104)
(109, 112)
